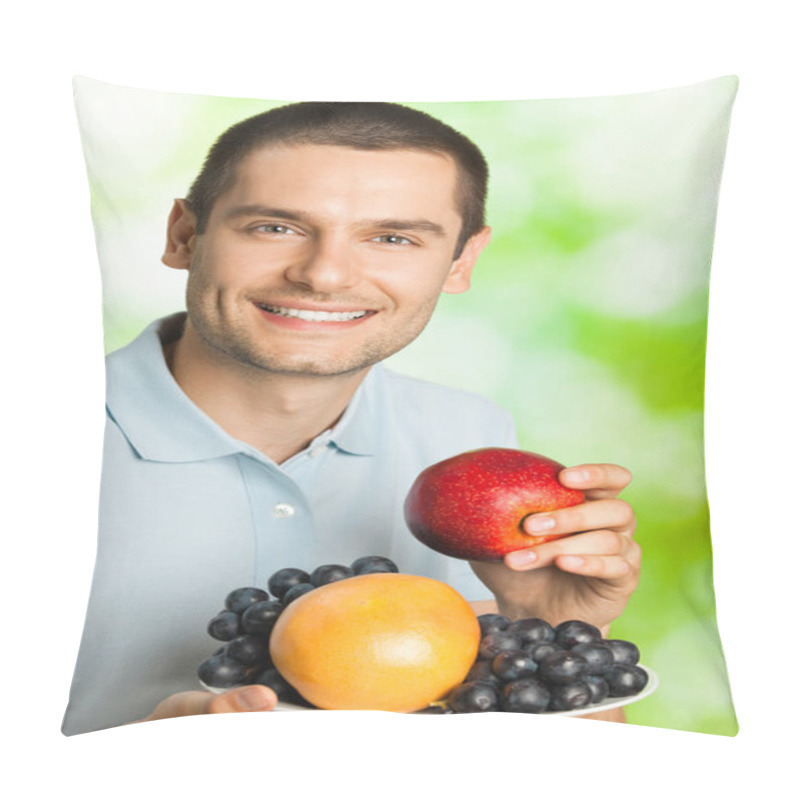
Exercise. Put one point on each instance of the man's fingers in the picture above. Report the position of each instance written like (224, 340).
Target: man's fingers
(593, 543)
(614, 569)
(184, 704)
(597, 480)
(245, 698)
(609, 513)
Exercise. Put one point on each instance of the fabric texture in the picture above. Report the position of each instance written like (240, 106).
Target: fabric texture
(586, 320)
(187, 513)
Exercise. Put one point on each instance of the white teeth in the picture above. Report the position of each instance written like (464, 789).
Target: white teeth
(314, 316)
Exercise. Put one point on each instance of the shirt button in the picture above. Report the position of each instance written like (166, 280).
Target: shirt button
(283, 511)
(317, 451)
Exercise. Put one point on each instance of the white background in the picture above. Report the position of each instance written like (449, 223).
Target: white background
(53, 388)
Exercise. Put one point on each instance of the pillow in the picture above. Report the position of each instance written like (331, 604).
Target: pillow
(586, 321)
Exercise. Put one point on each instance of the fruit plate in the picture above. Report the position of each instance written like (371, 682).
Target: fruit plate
(613, 702)
(606, 705)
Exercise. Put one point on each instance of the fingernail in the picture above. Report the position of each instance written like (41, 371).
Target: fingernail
(252, 699)
(522, 558)
(536, 523)
(571, 561)
(577, 475)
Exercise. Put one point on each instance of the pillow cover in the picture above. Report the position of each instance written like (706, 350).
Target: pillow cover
(586, 321)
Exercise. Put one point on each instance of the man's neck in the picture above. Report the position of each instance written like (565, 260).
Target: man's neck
(278, 414)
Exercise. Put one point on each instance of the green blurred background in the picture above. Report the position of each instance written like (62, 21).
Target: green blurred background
(587, 316)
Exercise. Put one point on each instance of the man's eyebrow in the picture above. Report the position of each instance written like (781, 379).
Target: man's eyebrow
(407, 225)
(257, 210)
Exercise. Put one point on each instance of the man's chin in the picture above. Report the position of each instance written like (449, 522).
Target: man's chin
(318, 371)
(313, 367)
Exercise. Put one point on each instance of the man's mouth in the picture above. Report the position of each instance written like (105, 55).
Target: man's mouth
(313, 316)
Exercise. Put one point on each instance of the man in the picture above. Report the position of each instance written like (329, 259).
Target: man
(259, 431)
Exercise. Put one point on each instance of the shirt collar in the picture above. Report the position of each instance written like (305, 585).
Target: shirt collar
(357, 431)
(163, 424)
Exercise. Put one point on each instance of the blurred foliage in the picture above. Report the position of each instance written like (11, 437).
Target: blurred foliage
(587, 318)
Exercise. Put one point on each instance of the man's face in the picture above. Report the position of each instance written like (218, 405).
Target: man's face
(323, 260)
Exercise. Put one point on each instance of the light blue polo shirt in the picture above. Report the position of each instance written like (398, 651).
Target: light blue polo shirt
(188, 513)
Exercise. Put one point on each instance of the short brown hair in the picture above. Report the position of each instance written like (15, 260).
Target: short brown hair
(363, 126)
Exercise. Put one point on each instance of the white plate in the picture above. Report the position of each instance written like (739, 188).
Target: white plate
(613, 702)
(606, 705)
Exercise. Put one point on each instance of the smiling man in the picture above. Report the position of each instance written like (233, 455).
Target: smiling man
(318, 263)
(258, 430)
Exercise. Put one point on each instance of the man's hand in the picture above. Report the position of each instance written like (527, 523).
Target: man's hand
(588, 576)
(244, 698)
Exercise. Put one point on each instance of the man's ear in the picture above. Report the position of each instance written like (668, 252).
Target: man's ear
(458, 279)
(181, 237)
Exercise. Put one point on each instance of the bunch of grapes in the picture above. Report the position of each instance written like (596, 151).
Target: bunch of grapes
(532, 667)
(250, 613)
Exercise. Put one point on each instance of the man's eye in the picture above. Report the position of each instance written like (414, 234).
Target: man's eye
(393, 238)
(273, 227)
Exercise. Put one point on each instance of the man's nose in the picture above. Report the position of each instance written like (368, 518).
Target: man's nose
(327, 265)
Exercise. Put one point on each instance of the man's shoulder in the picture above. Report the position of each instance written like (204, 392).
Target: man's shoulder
(445, 411)
(409, 387)
(147, 344)
(154, 415)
